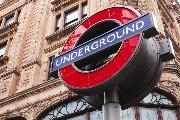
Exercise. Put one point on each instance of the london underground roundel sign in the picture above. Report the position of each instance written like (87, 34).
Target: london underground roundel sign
(105, 66)
(86, 80)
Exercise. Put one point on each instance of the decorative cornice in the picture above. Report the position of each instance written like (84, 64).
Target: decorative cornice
(9, 72)
(30, 92)
(55, 46)
(7, 3)
(58, 34)
(39, 106)
(8, 30)
(53, 100)
(3, 69)
(32, 62)
(172, 87)
(172, 68)
(58, 4)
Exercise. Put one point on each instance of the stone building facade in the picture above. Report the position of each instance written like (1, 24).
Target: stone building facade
(32, 32)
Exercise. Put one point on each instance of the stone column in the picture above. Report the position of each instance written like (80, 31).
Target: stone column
(62, 19)
(15, 16)
(80, 11)
(53, 24)
(7, 47)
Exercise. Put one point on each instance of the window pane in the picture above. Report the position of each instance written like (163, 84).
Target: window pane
(128, 114)
(71, 17)
(148, 114)
(96, 115)
(84, 10)
(57, 23)
(9, 20)
(156, 98)
(169, 115)
(2, 50)
(81, 117)
(70, 109)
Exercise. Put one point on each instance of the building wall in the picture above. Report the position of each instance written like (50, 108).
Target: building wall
(24, 86)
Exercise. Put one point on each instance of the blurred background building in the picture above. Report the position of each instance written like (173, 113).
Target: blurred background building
(32, 32)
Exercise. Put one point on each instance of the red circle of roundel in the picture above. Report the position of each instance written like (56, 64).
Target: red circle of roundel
(78, 80)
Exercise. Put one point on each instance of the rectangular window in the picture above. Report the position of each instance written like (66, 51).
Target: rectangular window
(9, 20)
(71, 17)
(84, 10)
(52, 75)
(2, 49)
(57, 23)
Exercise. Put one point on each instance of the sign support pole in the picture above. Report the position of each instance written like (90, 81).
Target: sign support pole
(111, 108)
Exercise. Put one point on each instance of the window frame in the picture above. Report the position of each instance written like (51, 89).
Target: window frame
(4, 45)
(11, 18)
(51, 74)
(84, 4)
(15, 18)
(73, 21)
(76, 6)
(58, 21)
(136, 109)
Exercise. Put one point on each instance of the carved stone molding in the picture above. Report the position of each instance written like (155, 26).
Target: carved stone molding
(7, 3)
(172, 70)
(24, 112)
(58, 4)
(51, 101)
(172, 87)
(54, 47)
(29, 92)
(38, 107)
(9, 72)
(32, 62)
(3, 69)
(60, 33)
(8, 30)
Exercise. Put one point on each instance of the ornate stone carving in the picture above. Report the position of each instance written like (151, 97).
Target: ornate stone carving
(32, 62)
(33, 110)
(3, 87)
(29, 92)
(9, 72)
(58, 4)
(60, 33)
(54, 47)
(52, 101)
(7, 3)
(170, 85)
(3, 69)
(8, 30)
(113, 2)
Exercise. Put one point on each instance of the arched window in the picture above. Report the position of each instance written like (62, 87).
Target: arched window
(77, 109)
(155, 106)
